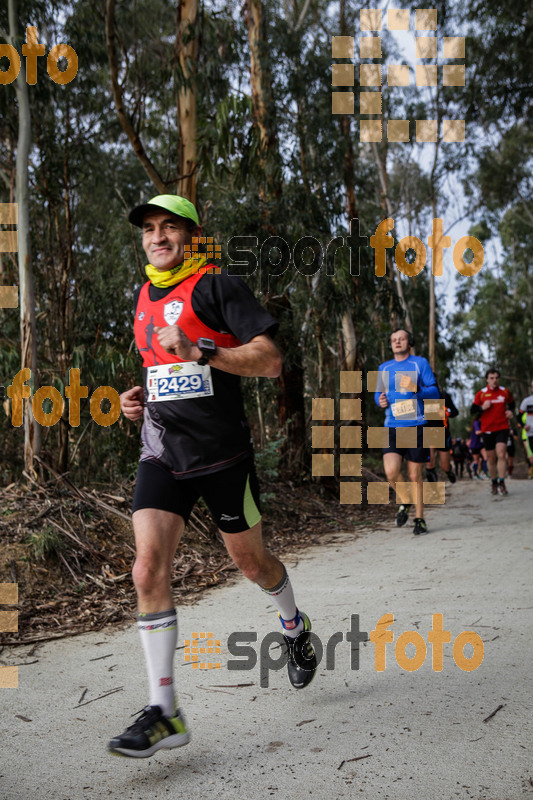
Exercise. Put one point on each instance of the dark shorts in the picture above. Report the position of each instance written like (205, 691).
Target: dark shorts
(490, 440)
(447, 443)
(418, 454)
(232, 495)
(511, 450)
(476, 450)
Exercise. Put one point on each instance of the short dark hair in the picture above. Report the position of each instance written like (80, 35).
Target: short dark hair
(191, 225)
(410, 337)
(492, 371)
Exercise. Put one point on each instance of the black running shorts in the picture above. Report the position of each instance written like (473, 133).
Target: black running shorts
(490, 440)
(418, 454)
(232, 495)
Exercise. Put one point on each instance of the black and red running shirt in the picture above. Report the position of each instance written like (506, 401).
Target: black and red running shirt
(198, 436)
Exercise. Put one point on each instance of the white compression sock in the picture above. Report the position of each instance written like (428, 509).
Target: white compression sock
(159, 636)
(282, 596)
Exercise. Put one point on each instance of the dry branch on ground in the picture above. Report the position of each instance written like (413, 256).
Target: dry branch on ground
(71, 550)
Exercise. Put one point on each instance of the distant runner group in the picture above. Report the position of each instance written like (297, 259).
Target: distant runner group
(406, 384)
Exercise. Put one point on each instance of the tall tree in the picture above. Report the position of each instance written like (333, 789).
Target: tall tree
(291, 412)
(28, 336)
(187, 45)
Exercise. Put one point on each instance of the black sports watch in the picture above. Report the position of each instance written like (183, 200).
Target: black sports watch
(208, 348)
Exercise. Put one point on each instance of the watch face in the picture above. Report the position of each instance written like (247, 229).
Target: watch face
(206, 344)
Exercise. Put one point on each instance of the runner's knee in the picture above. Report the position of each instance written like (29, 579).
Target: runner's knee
(414, 473)
(250, 565)
(149, 572)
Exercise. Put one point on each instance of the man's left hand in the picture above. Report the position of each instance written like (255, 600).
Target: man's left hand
(508, 414)
(173, 340)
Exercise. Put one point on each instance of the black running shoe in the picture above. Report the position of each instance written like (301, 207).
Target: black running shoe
(420, 526)
(494, 487)
(152, 731)
(451, 476)
(431, 474)
(402, 515)
(301, 664)
(501, 488)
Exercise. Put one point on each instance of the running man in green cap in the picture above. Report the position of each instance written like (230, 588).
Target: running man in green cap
(208, 330)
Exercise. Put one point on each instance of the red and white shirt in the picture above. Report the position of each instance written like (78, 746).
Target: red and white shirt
(494, 419)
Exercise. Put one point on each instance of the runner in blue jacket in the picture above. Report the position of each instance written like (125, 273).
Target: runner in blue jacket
(404, 383)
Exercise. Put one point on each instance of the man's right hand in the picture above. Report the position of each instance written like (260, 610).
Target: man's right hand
(132, 403)
(383, 400)
(487, 404)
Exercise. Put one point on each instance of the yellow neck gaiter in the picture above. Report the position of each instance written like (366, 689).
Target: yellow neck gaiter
(175, 275)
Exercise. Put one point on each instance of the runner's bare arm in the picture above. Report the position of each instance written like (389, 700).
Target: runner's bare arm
(257, 358)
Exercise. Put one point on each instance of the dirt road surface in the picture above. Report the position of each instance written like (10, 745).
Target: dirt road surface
(394, 733)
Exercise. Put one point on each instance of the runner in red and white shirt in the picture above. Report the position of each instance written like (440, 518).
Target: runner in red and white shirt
(494, 405)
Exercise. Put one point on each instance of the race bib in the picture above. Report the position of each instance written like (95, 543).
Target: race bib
(179, 381)
(404, 409)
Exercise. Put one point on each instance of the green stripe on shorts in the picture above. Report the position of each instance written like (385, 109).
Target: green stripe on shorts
(252, 515)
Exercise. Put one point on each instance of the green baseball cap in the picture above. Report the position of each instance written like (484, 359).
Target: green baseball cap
(167, 202)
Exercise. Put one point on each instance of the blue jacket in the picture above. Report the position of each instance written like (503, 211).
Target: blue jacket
(406, 415)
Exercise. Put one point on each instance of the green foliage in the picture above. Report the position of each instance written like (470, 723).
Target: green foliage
(268, 457)
(47, 543)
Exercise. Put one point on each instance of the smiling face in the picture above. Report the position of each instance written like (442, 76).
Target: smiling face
(399, 342)
(164, 238)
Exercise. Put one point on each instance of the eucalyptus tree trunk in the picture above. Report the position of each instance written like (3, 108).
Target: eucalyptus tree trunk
(290, 399)
(28, 339)
(431, 320)
(264, 107)
(386, 205)
(349, 337)
(187, 45)
(118, 98)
